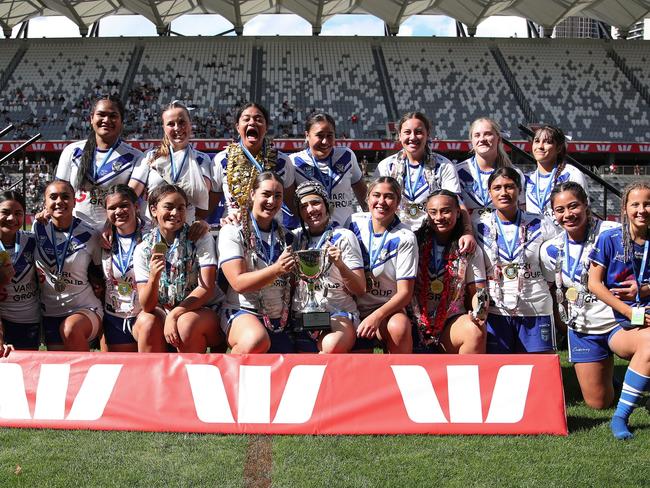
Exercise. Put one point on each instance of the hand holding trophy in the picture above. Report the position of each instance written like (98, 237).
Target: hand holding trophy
(311, 267)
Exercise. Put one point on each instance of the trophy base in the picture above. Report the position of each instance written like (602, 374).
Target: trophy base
(312, 321)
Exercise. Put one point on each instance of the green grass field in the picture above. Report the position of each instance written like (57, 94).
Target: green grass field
(589, 456)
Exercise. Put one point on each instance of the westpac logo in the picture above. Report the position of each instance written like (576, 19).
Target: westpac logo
(365, 144)
(88, 405)
(254, 394)
(211, 144)
(464, 389)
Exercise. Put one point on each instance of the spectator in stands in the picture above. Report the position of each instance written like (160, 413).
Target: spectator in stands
(488, 155)
(235, 167)
(520, 317)
(619, 277)
(421, 171)
(176, 279)
(446, 283)
(176, 162)
(20, 301)
(549, 150)
(67, 256)
(102, 160)
(390, 260)
(336, 168)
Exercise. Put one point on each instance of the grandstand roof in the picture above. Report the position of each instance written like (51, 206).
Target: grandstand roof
(619, 13)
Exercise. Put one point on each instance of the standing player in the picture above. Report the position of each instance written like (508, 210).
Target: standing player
(390, 259)
(549, 150)
(176, 162)
(93, 165)
(520, 316)
(620, 277)
(19, 296)
(334, 167)
(67, 252)
(473, 173)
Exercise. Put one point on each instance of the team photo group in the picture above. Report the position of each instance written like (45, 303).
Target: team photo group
(256, 251)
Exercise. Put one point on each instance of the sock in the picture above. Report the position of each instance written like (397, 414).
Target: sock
(635, 386)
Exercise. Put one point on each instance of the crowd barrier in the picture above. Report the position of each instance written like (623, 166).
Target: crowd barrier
(284, 394)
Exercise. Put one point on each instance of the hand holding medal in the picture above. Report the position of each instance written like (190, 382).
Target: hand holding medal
(158, 258)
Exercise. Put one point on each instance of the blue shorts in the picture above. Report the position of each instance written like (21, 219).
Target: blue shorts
(22, 336)
(118, 330)
(282, 341)
(506, 335)
(590, 348)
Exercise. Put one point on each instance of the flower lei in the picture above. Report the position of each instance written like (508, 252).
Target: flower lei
(454, 275)
(241, 173)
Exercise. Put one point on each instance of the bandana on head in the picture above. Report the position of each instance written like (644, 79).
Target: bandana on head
(311, 187)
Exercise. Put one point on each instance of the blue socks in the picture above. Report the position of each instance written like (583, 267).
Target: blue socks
(635, 387)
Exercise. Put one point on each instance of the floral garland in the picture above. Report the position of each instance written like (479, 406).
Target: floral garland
(454, 275)
(241, 173)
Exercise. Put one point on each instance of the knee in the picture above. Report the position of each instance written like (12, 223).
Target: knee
(643, 348)
(398, 326)
(252, 342)
(147, 325)
(599, 403)
(71, 330)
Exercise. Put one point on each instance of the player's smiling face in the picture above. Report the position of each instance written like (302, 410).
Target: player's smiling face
(320, 139)
(443, 213)
(252, 126)
(169, 212)
(413, 137)
(106, 121)
(637, 209)
(59, 200)
(383, 202)
(569, 211)
(504, 193)
(314, 213)
(12, 215)
(544, 149)
(120, 211)
(177, 127)
(485, 140)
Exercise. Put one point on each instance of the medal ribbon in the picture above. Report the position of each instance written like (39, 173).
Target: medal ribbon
(98, 169)
(319, 174)
(571, 270)
(638, 278)
(511, 245)
(268, 258)
(437, 263)
(122, 263)
(61, 262)
(177, 174)
(409, 189)
(16, 248)
(250, 157)
(480, 191)
(541, 200)
(324, 237)
(374, 257)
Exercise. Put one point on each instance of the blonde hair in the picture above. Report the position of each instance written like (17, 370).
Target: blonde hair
(625, 222)
(164, 148)
(502, 159)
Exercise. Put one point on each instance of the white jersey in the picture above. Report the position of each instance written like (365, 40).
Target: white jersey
(539, 187)
(283, 168)
(525, 292)
(191, 170)
(417, 182)
(596, 317)
(120, 300)
(390, 259)
(231, 246)
(337, 173)
(19, 299)
(110, 168)
(474, 187)
(82, 251)
(203, 254)
(474, 274)
(338, 298)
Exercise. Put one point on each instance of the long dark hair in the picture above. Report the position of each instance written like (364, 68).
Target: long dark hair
(165, 189)
(11, 195)
(88, 155)
(507, 172)
(557, 137)
(256, 105)
(315, 117)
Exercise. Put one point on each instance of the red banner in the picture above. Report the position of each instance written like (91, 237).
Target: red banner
(284, 394)
(292, 145)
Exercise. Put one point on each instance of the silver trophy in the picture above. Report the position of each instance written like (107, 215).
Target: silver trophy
(311, 266)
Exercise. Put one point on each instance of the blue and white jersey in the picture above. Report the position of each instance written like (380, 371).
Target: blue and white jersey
(338, 298)
(118, 268)
(110, 168)
(539, 187)
(474, 187)
(283, 168)
(192, 171)
(82, 250)
(596, 317)
(19, 299)
(608, 253)
(417, 181)
(529, 290)
(337, 173)
(231, 246)
(396, 259)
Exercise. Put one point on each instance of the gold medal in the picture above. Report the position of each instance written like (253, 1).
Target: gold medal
(437, 287)
(124, 288)
(4, 257)
(371, 282)
(571, 294)
(414, 209)
(511, 271)
(160, 248)
(59, 284)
